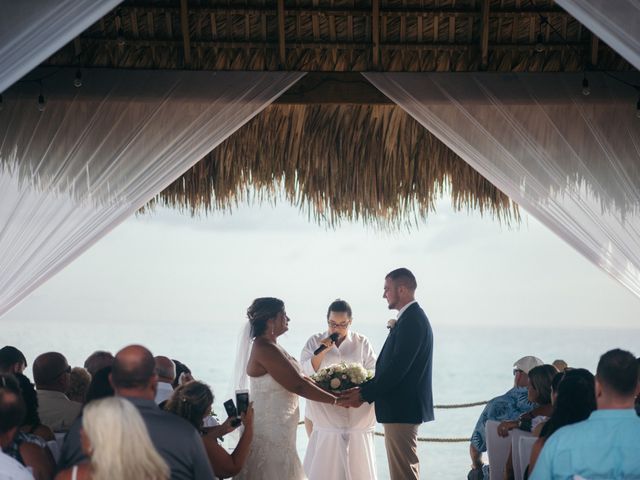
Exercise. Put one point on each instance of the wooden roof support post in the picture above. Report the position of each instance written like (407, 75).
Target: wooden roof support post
(484, 36)
(184, 26)
(281, 40)
(375, 34)
(595, 44)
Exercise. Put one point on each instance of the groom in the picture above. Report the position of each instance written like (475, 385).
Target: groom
(401, 387)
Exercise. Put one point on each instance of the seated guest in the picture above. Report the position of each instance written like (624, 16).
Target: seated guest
(505, 407)
(178, 443)
(560, 365)
(100, 386)
(12, 360)
(192, 401)
(539, 392)
(31, 423)
(117, 442)
(183, 374)
(97, 361)
(166, 370)
(51, 373)
(78, 384)
(29, 450)
(606, 444)
(11, 413)
(575, 399)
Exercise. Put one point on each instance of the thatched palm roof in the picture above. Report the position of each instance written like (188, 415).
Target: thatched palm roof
(334, 143)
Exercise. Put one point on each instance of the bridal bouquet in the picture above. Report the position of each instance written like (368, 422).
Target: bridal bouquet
(342, 376)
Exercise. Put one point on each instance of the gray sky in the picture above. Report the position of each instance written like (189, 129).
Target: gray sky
(470, 270)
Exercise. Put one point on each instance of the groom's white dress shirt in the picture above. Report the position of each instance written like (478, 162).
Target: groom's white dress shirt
(403, 309)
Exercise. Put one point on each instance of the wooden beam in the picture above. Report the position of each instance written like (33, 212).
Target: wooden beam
(484, 35)
(375, 34)
(184, 26)
(343, 88)
(281, 33)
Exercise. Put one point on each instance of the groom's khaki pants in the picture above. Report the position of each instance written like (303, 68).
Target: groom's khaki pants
(401, 441)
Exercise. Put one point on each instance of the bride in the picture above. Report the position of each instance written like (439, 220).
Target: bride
(275, 381)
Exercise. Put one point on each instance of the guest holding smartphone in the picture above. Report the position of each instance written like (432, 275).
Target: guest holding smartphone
(193, 401)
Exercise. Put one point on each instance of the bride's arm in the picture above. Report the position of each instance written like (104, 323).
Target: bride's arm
(282, 370)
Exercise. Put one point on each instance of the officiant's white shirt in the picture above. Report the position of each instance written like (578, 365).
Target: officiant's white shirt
(355, 348)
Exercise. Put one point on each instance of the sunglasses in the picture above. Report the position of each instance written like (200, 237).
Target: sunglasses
(66, 370)
(517, 370)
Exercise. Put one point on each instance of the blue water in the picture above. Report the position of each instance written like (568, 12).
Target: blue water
(470, 364)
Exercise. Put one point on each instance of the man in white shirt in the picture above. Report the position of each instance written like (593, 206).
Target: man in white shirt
(52, 374)
(12, 411)
(166, 370)
(349, 347)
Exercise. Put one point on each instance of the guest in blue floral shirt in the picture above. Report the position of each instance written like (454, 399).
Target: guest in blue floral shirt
(505, 407)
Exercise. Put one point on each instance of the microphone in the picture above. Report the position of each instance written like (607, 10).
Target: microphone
(333, 337)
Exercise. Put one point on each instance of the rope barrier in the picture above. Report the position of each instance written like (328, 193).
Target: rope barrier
(440, 439)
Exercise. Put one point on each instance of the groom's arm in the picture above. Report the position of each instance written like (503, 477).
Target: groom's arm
(407, 343)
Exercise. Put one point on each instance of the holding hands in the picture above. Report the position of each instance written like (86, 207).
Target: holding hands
(350, 398)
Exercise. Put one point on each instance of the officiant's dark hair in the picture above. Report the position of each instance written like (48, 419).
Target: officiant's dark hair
(260, 311)
(339, 305)
(403, 276)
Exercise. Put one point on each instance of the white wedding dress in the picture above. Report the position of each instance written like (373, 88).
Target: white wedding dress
(273, 453)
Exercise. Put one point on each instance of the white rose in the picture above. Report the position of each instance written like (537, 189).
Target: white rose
(391, 323)
(335, 383)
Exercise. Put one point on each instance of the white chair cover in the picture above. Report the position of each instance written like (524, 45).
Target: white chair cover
(572, 161)
(33, 30)
(616, 22)
(524, 453)
(516, 440)
(96, 154)
(497, 449)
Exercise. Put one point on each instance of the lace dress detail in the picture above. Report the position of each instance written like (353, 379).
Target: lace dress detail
(273, 453)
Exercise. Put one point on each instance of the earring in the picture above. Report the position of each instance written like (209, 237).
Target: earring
(272, 330)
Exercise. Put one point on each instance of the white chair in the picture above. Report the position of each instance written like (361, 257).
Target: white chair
(519, 463)
(54, 448)
(524, 453)
(497, 449)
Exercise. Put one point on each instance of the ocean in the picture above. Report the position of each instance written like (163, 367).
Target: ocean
(470, 364)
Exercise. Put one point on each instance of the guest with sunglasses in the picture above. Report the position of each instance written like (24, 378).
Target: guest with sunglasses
(52, 374)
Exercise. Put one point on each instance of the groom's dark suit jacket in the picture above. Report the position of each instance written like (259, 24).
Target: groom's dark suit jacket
(401, 387)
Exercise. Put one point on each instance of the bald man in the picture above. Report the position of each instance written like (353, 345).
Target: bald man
(52, 373)
(166, 370)
(134, 377)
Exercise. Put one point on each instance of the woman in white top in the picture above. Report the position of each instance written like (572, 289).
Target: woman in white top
(341, 440)
(116, 440)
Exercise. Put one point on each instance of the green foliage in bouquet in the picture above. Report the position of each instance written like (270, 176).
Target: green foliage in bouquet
(342, 376)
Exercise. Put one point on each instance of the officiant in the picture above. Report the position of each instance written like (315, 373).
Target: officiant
(341, 440)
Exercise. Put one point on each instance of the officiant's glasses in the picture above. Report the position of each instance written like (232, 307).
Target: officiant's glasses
(338, 325)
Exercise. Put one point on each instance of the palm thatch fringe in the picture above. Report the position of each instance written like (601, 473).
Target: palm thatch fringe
(369, 163)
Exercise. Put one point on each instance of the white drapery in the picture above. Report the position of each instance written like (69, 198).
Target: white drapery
(616, 22)
(33, 30)
(96, 154)
(572, 161)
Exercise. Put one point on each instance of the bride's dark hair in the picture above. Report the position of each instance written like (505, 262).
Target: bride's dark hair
(260, 311)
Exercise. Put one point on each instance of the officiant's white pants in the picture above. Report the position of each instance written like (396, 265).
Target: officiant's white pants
(401, 442)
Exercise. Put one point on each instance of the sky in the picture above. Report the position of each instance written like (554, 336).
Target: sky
(167, 267)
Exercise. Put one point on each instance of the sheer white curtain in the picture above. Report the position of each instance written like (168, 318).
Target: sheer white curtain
(616, 22)
(32, 30)
(96, 154)
(571, 161)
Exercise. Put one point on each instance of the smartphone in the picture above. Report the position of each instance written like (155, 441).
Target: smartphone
(232, 412)
(242, 400)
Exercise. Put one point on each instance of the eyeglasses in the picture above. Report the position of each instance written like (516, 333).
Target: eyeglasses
(338, 325)
(66, 370)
